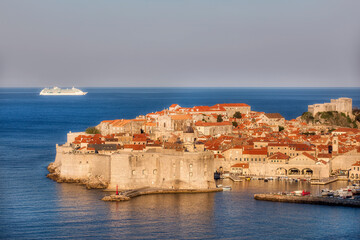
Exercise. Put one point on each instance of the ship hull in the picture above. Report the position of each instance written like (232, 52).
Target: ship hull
(62, 94)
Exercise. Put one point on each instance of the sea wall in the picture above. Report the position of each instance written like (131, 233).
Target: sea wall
(177, 170)
(90, 169)
(128, 170)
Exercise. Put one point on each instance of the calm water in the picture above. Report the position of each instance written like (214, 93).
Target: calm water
(34, 207)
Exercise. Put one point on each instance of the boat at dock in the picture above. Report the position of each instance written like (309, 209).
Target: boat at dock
(226, 188)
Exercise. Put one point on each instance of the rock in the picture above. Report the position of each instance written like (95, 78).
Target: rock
(96, 182)
(115, 198)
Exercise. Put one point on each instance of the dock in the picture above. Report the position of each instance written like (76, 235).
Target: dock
(128, 194)
(324, 181)
(235, 178)
(308, 200)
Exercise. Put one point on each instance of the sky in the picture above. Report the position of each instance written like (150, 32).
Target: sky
(196, 43)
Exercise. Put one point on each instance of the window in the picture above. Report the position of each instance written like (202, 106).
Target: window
(155, 171)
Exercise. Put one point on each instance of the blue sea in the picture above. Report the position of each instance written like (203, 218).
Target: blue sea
(34, 207)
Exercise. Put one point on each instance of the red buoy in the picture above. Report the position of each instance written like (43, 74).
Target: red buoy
(117, 192)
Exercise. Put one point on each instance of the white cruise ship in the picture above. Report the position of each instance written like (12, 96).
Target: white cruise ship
(59, 91)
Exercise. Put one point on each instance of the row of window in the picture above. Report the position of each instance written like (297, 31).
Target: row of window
(250, 159)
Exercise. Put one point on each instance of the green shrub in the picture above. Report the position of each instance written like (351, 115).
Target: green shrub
(237, 115)
(92, 130)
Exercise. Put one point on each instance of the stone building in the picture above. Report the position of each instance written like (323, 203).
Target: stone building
(354, 172)
(342, 105)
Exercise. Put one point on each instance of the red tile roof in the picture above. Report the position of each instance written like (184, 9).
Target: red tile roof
(279, 155)
(356, 164)
(208, 124)
(241, 165)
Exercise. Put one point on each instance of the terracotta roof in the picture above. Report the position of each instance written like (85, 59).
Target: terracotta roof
(242, 165)
(208, 124)
(279, 155)
(324, 155)
(181, 117)
(309, 156)
(348, 130)
(356, 164)
(273, 115)
(135, 146)
(262, 151)
(232, 105)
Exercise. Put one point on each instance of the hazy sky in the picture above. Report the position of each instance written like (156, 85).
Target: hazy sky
(180, 43)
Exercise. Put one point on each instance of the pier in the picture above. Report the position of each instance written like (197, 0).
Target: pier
(128, 194)
(308, 200)
(324, 181)
(235, 178)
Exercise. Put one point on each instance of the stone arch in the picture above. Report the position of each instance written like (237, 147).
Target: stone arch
(293, 171)
(357, 176)
(281, 171)
(352, 176)
(307, 171)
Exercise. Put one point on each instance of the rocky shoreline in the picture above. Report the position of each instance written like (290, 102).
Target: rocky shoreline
(92, 182)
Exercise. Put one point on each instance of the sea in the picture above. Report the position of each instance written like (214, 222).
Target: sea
(35, 207)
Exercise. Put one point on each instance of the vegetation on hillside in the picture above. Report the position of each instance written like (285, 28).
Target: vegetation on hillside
(235, 124)
(356, 113)
(332, 118)
(92, 130)
(219, 118)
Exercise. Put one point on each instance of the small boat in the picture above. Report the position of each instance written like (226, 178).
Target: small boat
(298, 193)
(324, 192)
(226, 188)
(305, 193)
(219, 186)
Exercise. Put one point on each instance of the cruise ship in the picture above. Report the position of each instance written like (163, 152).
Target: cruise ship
(59, 91)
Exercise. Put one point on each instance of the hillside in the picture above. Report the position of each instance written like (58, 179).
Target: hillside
(332, 118)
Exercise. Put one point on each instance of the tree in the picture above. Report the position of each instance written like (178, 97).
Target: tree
(219, 118)
(235, 124)
(237, 115)
(281, 128)
(92, 130)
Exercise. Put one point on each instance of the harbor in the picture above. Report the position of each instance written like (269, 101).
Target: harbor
(308, 200)
(347, 196)
(324, 181)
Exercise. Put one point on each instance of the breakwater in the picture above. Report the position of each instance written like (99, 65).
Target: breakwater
(308, 200)
(127, 195)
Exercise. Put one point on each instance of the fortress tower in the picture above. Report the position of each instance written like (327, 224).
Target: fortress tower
(342, 105)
